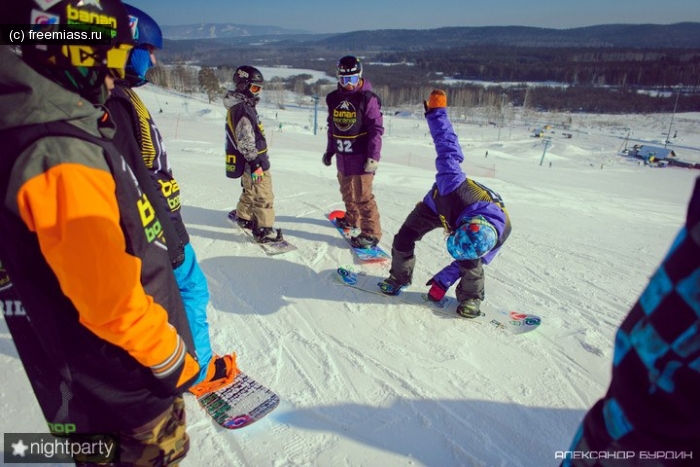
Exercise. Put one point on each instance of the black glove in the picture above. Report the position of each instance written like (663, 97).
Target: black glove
(326, 159)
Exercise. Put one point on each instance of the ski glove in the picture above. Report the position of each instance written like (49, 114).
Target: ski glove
(257, 175)
(326, 159)
(371, 165)
(436, 292)
(437, 100)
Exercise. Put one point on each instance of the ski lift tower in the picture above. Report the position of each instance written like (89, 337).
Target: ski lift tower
(547, 142)
(624, 143)
(316, 99)
(503, 114)
(668, 136)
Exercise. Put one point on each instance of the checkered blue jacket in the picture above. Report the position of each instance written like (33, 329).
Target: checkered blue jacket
(653, 402)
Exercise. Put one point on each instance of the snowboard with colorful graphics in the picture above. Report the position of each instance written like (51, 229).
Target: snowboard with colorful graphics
(271, 248)
(512, 321)
(239, 404)
(366, 255)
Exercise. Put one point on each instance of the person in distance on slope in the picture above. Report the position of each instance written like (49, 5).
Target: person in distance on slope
(247, 157)
(96, 316)
(651, 405)
(355, 129)
(473, 216)
(139, 140)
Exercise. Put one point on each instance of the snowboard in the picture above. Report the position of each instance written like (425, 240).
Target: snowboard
(271, 248)
(512, 321)
(239, 404)
(366, 255)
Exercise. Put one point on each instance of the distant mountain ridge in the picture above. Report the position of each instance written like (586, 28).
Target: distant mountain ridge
(223, 31)
(678, 35)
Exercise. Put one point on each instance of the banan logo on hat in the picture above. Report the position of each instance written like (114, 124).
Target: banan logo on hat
(46, 4)
(95, 3)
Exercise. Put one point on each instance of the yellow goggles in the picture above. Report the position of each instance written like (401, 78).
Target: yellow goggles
(87, 56)
(118, 56)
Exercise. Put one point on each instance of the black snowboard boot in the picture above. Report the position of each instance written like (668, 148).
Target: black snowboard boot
(364, 241)
(267, 235)
(469, 308)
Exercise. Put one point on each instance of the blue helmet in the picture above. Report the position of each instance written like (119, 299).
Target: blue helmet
(473, 239)
(147, 35)
(144, 28)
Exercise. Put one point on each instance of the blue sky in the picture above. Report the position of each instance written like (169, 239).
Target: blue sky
(328, 16)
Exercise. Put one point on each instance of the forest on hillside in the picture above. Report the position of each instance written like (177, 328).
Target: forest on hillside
(580, 79)
(406, 93)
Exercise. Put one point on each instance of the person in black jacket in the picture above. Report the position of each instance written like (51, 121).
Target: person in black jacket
(247, 156)
(139, 139)
(96, 315)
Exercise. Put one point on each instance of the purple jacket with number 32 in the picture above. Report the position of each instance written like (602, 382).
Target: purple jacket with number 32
(355, 127)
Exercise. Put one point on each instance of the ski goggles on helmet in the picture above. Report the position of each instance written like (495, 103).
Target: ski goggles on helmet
(255, 88)
(118, 58)
(140, 61)
(344, 80)
(114, 57)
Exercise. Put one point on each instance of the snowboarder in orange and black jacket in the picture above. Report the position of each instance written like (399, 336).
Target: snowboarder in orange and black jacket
(86, 282)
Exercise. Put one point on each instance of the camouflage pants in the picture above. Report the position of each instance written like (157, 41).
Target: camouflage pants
(159, 443)
(257, 200)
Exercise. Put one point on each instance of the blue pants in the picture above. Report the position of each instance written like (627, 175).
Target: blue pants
(195, 296)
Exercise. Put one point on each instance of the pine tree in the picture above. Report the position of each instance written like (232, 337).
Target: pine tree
(209, 83)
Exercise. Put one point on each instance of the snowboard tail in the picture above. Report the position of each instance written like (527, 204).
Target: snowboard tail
(239, 404)
(374, 254)
(511, 321)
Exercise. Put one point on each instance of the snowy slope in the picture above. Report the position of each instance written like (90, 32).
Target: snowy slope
(368, 381)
